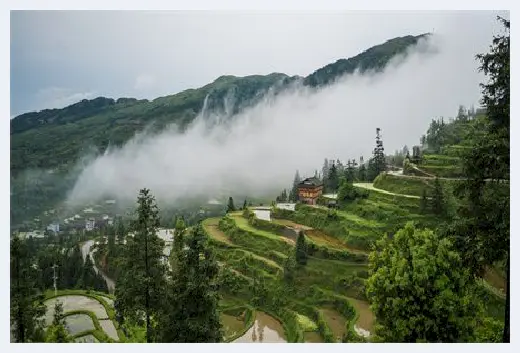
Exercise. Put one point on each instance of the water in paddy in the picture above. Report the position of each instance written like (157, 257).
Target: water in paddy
(78, 323)
(231, 324)
(365, 321)
(335, 321)
(312, 337)
(86, 339)
(75, 302)
(109, 328)
(265, 329)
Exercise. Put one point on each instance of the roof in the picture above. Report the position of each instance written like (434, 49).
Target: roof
(310, 182)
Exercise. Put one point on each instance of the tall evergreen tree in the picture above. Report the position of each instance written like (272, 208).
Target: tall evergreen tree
(325, 172)
(121, 231)
(27, 307)
(231, 205)
(57, 333)
(301, 249)
(424, 202)
(293, 195)
(482, 232)
(140, 287)
(438, 201)
(191, 315)
(362, 171)
(377, 163)
(244, 206)
(333, 179)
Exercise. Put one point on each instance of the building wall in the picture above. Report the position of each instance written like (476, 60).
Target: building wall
(310, 195)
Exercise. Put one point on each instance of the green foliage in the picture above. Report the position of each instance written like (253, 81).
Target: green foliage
(301, 249)
(231, 205)
(424, 202)
(27, 309)
(419, 290)
(57, 333)
(438, 200)
(489, 331)
(482, 232)
(377, 164)
(289, 269)
(347, 192)
(140, 288)
(191, 314)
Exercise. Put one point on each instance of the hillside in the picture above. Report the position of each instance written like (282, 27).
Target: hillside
(56, 138)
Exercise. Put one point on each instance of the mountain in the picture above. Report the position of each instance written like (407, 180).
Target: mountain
(54, 139)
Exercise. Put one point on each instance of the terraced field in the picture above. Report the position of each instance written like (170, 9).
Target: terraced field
(242, 249)
(89, 317)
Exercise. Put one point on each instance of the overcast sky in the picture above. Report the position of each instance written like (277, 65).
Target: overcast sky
(61, 57)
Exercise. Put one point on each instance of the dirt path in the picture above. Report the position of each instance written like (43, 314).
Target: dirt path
(370, 186)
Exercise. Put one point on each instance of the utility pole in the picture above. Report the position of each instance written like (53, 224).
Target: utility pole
(55, 278)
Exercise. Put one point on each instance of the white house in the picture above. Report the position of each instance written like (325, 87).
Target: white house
(54, 227)
(90, 224)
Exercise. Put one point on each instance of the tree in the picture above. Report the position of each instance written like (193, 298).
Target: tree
(289, 269)
(347, 192)
(301, 249)
(482, 231)
(121, 231)
(325, 172)
(377, 163)
(405, 151)
(141, 285)
(231, 205)
(244, 206)
(438, 201)
(419, 290)
(424, 202)
(333, 179)
(57, 332)
(293, 195)
(191, 315)
(27, 308)
(362, 171)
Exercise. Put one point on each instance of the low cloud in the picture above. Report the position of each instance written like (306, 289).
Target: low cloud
(258, 151)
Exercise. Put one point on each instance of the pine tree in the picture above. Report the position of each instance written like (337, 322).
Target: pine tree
(191, 314)
(27, 308)
(301, 249)
(178, 241)
(231, 205)
(377, 163)
(424, 202)
(325, 172)
(57, 333)
(121, 231)
(333, 179)
(438, 202)
(140, 287)
(244, 206)
(293, 196)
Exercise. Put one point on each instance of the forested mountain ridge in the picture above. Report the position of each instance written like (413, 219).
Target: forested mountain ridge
(54, 139)
(64, 133)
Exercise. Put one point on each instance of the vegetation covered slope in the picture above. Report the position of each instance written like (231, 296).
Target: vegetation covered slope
(56, 138)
